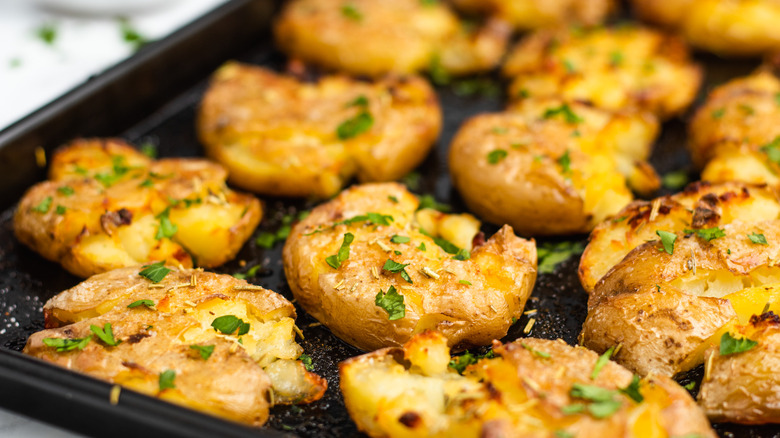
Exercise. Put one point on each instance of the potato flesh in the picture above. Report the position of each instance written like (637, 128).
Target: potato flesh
(535, 14)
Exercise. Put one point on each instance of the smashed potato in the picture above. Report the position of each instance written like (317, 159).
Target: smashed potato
(376, 270)
(107, 206)
(612, 68)
(206, 341)
(536, 14)
(531, 388)
(735, 135)
(279, 136)
(550, 167)
(665, 276)
(374, 37)
(727, 27)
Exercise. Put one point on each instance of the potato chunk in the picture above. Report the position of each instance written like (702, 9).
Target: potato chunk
(374, 37)
(364, 266)
(536, 14)
(548, 167)
(202, 340)
(612, 68)
(532, 388)
(107, 206)
(279, 136)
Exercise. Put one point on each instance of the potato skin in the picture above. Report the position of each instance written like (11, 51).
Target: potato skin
(536, 14)
(612, 68)
(104, 205)
(529, 187)
(497, 278)
(278, 136)
(375, 37)
(744, 387)
(520, 393)
(231, 383)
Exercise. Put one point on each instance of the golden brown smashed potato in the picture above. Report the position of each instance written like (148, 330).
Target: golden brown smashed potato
(279, 136)
(549, 167)
(663, 276)
(373, 37)
(107, 206)
(536, 14)
(531, 388)
(727, 27)
(202, 340)
(376, 270)
(735, 135)
(612, 68)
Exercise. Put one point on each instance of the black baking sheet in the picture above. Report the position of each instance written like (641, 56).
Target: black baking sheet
(27, 280)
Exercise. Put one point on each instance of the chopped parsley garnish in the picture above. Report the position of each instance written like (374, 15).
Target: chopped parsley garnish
(392, 302)
(462, 255)
(228, 324)
(632, 390)
(64, 344)
(600, 362)
(138, 303)
(392, 199)
(61, 209)
(707, 233)
(47, 33)
(395, 268)
(66, 191)
(166, 228)
(560, 433)
(105, 334)
(399, 239)
(307, 362)
(411, 180)
(351, 11)
(466, 282)
(552, 254)
(476, 86)
(496, 156)
(523, 93)
(266, 240)
(616, 58)
(444, 244)
(205, 351)
(119, 170)
(166, 380)
(536, 353)
(342, 255)
(718, 113)
(249, 274)
(732, 345)
(374, 218)
(422, 247)
(602, 401)
(438, 73)
(146, 183)
(747, 109)
(667, 240)
(149, 149)
(43, 206)
(565, 162)
(131, 35)
(690, 385)
(569, 66)
(459, 363)
(758, 239)
(675, 180)
(428, 201)
(565, 111)
(155, 272)
(355, 126)
(361, 100)
(772, 150)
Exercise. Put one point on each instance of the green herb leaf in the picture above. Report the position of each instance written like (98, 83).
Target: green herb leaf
(166, 229)
(266, 240)
(147, 303)
(772, 150)
(603, 403)
(342, 255)
(632, 390)
(66, 191)
(758, 239)
(675, 180)
(667, 240)
(604, 409)
(466, 282)
(149, 149)
(428, 201)
(351, 11)
(399, 239)
(392, 302)
(560, 433)
(462, 255)
(565, 111)
(43, 206)
(616, 58)
(65, 344)
(602, 360)
(307, 362)
(61, 209)
(718, 113)
(146, 183)
(495, 156)
(732, 345)
(205, 350)
(707, 233)
(373, 218)
(228, 324)
(439, 75)
(690, 386)
(132, 36)
(551, 255)
(574, 408)
(536, 353)
(395, 268)
(355, 126)
(155, 272)
(422, 247)
(361, 100)
(459, 363)
(105, 334)
(565, 162)
(166, 380)
(47, 33)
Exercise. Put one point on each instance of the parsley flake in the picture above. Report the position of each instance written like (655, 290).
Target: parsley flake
(399, 239)
(732, 345)
(47, 33)
(43, 206)
(632, 390)
(66, 191)
(466, 282)
(772, 150)
(355, 126)
(551, 254)
(600, 362)
(565, 162)
(428, 201)
(565, 111)
(392, 302)
(166, 228)
(205, 351)
(65, 344)
(166, 380)
(462, 255)
(138, 303)
(395, 268)
(361, 100)
(154, 272)
(352, 12)
(707, 234)
(496, 156)
(675, 180)
(61, 209)
(342, 255)
(758, 239)
(718, 113)
(131, 35)
(228, 324)
(307, 362)
(667, 240)
(534, 352)
(105, 334)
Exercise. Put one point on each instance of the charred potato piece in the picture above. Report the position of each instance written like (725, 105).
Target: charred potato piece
(550, 167)
(374, 37)
(376, 271)
(532, 388)
(107, 206)
(536, 14)
(741, 383)
(279, 136)
(202, 340)
(612, 68)
(665, 300)
(732, 27)
(735, 135)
